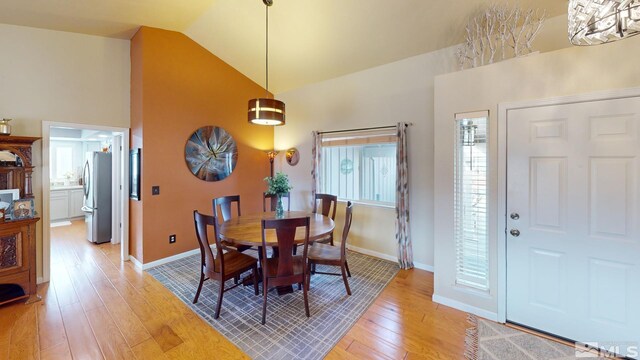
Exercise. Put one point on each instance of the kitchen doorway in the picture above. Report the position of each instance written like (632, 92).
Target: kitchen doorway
(84, 181)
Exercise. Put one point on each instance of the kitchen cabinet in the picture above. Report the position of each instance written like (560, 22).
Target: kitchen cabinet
(66, 203)
(76, 197)
(59, 204)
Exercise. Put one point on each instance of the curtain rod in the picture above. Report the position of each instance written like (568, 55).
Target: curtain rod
(362, 129)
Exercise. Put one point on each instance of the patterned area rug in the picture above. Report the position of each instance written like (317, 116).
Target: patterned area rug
(288, 333)
(488, 340)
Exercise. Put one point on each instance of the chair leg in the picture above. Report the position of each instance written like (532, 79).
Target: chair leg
(344, 278)
(307, 283)
(219, 305)
(264, 301)
(306, 300)
(195, 299)
(255, 280)
(346, 265)
(331, 239)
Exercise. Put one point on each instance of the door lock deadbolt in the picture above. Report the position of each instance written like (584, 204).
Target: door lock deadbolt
(515, 216)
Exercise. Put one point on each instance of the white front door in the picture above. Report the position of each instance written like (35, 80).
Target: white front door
(573, 194)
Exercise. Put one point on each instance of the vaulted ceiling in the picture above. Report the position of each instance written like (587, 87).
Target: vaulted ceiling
(309, 40)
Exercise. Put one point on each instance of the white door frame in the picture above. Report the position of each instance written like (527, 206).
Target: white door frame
(122, 210)
(503, 113)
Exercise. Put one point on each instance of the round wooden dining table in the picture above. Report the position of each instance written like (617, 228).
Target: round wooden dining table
(247, 229)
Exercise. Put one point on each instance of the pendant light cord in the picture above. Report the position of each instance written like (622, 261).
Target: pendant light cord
(267, 52)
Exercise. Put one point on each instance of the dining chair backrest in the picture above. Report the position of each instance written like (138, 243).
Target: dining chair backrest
(286, 235)
(202, 222)
(328, 204)
(224, 204)
(273, 200)
(347, 226)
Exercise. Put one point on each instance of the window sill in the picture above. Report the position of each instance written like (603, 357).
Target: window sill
(368, 204)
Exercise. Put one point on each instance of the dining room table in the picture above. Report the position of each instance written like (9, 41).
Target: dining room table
(247, 230)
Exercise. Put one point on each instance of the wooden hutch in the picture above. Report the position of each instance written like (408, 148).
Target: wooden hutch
(18, 237)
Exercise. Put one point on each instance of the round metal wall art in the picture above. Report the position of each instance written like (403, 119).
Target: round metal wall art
(211, 153)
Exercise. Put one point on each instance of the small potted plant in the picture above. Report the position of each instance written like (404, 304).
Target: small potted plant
(278, 185)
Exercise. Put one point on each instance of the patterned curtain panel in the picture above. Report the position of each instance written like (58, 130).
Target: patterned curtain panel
(316, 155)
(403, 235)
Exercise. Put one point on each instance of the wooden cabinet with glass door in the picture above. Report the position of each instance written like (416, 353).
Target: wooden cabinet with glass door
(17, 236)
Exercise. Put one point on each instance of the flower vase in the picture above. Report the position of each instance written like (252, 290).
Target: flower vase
(279, 208)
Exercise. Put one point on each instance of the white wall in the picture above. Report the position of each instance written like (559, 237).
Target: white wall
(385, 95)
(59, 76)
(570, 71)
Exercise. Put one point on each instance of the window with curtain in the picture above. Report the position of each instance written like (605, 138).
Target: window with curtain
(360, 166)
(470, 203)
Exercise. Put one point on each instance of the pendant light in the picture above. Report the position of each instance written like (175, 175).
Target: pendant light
(266, 111)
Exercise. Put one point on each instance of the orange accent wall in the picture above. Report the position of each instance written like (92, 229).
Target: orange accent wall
(178, 86)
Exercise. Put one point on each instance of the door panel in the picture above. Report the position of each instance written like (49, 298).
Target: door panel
(573, 176)
(548, 193)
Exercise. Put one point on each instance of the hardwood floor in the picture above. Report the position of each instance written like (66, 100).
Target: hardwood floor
(96, 307)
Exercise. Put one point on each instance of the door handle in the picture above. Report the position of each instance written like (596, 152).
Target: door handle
(514, 216)
(514, 232)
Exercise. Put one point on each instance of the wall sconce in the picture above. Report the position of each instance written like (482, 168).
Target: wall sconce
(271, 154)
(293, 156)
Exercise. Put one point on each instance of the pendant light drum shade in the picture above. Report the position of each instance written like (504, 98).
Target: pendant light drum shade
(594, 22)
(264, 111)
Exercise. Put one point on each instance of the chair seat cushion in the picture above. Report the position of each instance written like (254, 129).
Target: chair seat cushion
(324, 239)
(324, 252)
(235, 261)
(272, 266)
(236, 247)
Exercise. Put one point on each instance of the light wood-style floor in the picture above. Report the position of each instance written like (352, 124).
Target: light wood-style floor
(96, 307)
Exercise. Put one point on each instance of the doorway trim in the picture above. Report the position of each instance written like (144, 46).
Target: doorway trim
(503, 114)
(123, 210)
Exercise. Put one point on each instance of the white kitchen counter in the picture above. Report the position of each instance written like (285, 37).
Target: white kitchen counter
(67, 187)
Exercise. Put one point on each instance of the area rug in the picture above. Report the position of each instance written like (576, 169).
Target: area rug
(487, 340)
(288, 333)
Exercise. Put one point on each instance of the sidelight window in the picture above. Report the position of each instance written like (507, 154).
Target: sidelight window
(470, 203)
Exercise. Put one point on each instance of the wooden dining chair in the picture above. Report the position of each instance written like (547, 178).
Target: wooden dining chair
(323, 254)
(224, 206)
(224, 265)
(286, 269)
(273, 201)
(328, 204)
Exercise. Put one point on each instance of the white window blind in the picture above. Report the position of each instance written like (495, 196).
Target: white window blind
(470, 203)
(360, 166)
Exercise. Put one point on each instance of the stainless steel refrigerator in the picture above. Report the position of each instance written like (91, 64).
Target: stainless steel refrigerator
(96, 177)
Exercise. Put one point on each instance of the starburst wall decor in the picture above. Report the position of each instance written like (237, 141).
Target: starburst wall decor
(211, 153)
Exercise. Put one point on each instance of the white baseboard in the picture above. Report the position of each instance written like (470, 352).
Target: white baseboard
(162, 261)
(380, 255)
(465, 307)
(40, 280)
(422, 266)
(135, 262)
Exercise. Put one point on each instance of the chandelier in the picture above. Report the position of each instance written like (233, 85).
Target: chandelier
(593, 22)
(266, 111)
